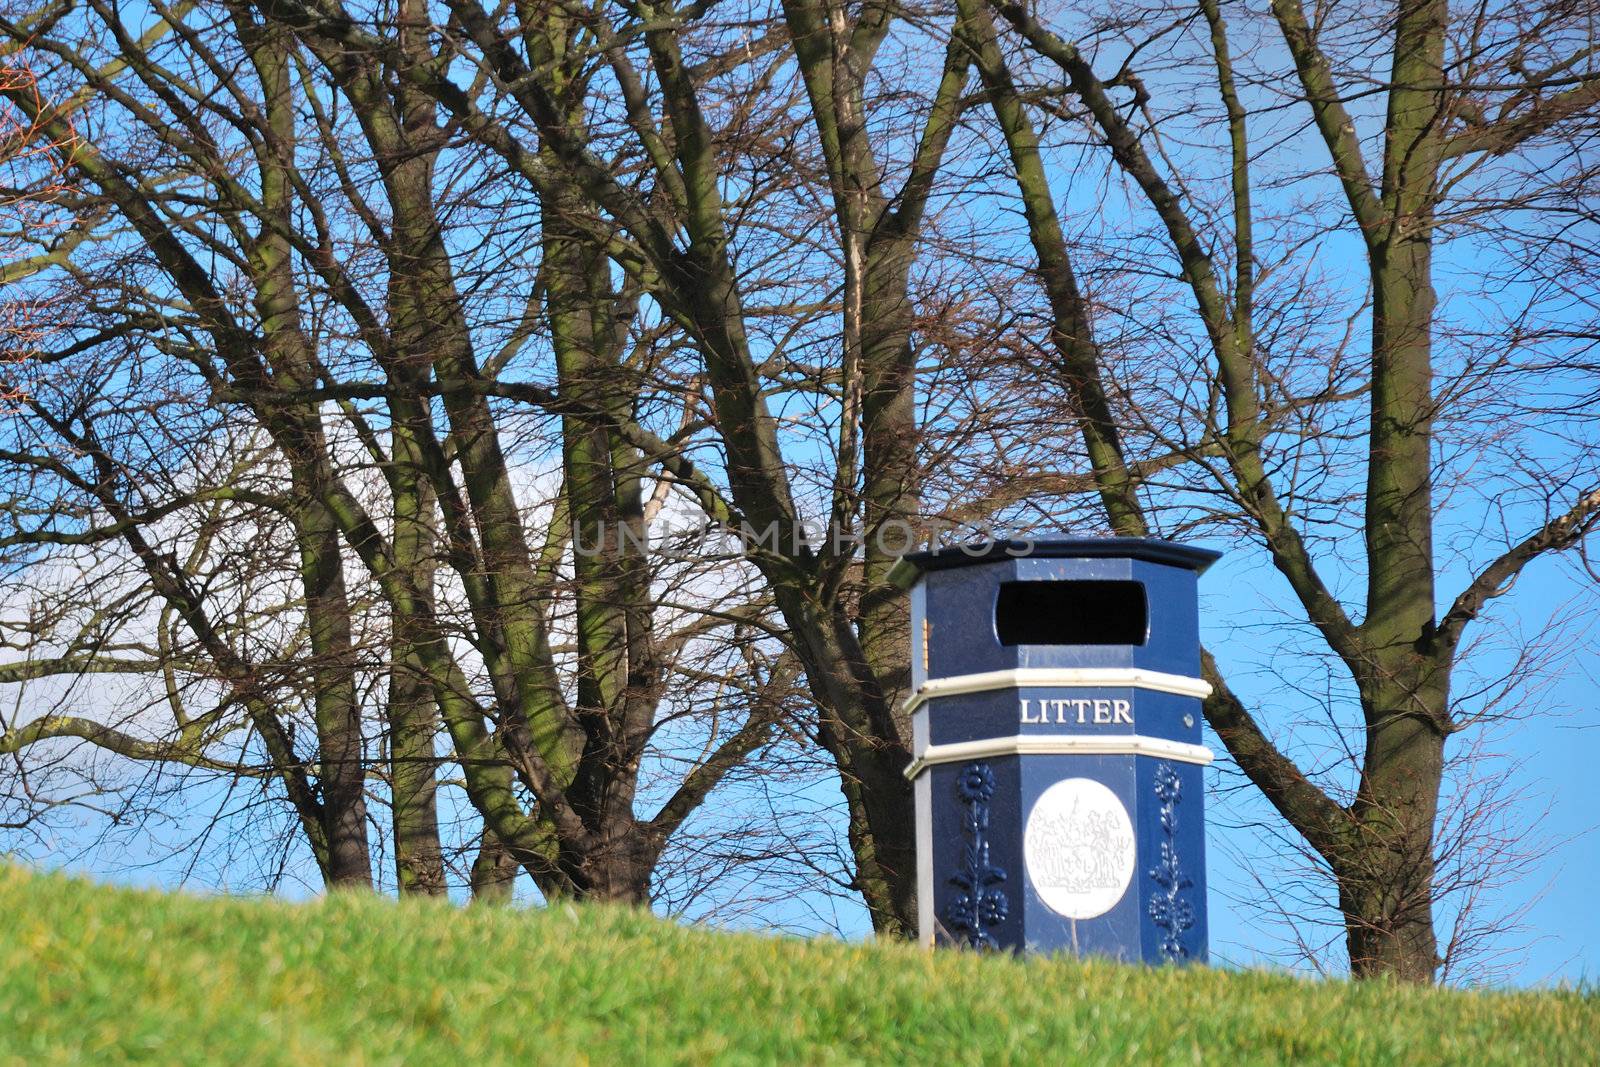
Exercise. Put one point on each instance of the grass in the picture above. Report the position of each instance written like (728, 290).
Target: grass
(90, 974)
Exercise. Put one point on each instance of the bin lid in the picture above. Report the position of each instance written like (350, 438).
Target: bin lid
(905, 572)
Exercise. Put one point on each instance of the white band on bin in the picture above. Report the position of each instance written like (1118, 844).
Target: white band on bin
(1059, 677)
(1060, 745)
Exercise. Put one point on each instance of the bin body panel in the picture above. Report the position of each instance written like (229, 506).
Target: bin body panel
(1173, 896)
(1158, 916)
(1115, 932)
(1059, 766)
(977, 855)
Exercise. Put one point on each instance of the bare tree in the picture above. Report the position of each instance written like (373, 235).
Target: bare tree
(679, 203)
(1262, 395)
(293, 254)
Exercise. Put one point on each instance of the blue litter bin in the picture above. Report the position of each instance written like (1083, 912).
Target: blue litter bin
(1056, 742)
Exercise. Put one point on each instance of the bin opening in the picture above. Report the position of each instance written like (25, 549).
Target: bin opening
(1071, 613)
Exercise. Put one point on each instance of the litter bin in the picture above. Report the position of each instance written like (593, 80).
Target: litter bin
(1056, 742)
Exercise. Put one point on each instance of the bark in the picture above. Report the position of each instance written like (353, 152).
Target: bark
(1385, 867)
(699, 288)
(618, 676)
(494, 873)
(412, 717)
(1387, 879)
(1071, 329)
(333, 685)
(487, 545)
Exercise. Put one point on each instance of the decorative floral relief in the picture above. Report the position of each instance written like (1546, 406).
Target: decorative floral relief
(979, 904)
(1168, 910)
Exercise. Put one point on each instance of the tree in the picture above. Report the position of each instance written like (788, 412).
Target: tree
(666, 185)
(293, 254)
(1474, 106)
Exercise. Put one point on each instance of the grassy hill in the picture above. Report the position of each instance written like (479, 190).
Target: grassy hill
(94, 975)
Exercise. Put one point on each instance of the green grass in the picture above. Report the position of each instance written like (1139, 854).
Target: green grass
(90, 974)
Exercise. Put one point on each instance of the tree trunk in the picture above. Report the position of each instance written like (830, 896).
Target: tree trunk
(412, 717)
(1406, 694)
(1385, 874)
(299, 432)
(494, 872)
(338, 714)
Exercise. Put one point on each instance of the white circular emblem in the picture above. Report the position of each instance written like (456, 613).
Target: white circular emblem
(1078, 848)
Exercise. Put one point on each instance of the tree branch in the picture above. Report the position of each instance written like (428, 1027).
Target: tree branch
(1338, 129)
(1502, 136)
(1561, 532)
(1307, 808)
